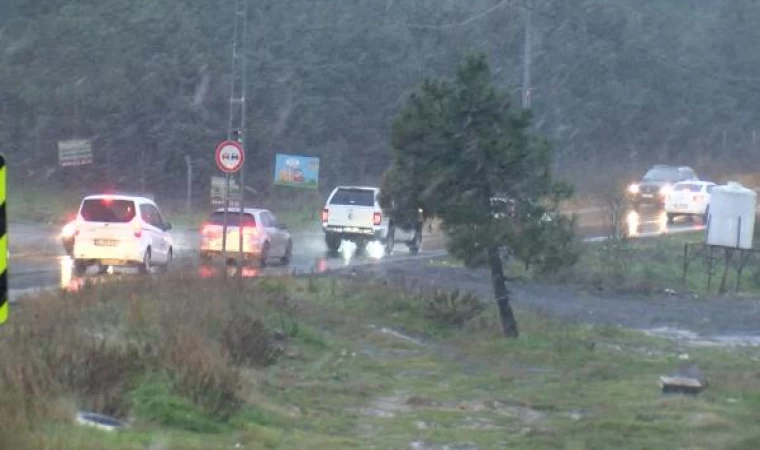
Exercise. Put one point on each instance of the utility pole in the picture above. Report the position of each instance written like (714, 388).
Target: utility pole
(189, 187)
(527, 54)
(237, 114)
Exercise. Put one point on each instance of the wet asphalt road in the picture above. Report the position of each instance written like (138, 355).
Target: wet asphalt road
(47, 267)
(37, 259)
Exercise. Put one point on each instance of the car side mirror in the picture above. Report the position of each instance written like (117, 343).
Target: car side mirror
(282, 226)
(167, 226)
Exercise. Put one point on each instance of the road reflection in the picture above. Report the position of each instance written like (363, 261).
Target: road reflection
(655, 222)
(68, 281)
(72, 282)
(210, 271)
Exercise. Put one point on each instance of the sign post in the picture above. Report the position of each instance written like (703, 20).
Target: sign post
(3, 246)
(238, 134)
(229, 157)
(218, 191)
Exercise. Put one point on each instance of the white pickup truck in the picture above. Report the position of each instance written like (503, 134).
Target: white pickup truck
(353, 213)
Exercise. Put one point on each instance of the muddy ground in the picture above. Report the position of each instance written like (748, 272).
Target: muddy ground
(684, 315)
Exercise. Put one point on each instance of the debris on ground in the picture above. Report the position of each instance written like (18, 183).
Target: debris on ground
(98, 421)
(688, 379)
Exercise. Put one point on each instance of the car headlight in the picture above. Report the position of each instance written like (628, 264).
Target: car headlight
(633, 189)
(665, 190)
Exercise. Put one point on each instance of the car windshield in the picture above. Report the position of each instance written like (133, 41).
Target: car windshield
(688, 188)
(108, 210)
(661, 174)
(354, 197)
(233, 218)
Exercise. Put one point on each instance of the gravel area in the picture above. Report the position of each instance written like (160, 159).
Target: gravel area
(669, 314)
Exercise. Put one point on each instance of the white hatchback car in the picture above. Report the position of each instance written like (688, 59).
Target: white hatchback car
(264, 237)
(689, 198)
(116, 230)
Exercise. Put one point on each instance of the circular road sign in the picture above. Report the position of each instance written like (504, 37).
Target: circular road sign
(229, 156)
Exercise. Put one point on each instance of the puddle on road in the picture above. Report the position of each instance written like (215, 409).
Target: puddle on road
(695, 339)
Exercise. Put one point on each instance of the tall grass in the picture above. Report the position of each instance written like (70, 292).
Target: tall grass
(96, 349)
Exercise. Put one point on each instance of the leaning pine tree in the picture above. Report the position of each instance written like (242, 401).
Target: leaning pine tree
(458, 144)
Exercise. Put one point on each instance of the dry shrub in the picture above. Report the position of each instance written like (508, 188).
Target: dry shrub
(101, 374)
(202, 371)
(249, 342)
(451, 308)
(97, 345)
(447, 308)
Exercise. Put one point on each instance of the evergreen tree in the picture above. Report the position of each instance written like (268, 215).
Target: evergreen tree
(458, 144)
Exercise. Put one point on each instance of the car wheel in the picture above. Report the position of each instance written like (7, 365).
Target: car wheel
(264, 258)
(147, 262)
(671, 218)
(288, 256)
(333, 242)
(706, 216)
(169, 258)
(80, 267)
(390, 241)
(416, 243)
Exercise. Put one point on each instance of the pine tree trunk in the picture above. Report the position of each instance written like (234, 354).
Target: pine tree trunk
(501, 293)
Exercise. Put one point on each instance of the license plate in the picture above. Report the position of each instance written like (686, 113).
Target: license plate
(106, 242)
(647, 195)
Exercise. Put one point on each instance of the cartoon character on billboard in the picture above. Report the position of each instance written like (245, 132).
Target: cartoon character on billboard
(291, 172)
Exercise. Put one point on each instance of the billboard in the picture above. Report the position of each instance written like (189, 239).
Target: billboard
(296, 171)
(218, 185)
(75, 152)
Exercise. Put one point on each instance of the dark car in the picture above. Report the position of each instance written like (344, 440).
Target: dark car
(654, 186)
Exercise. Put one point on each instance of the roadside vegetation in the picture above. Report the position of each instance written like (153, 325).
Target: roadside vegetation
(36, 204)
(331, 363)
(643, 266)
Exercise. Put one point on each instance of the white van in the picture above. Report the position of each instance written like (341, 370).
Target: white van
(116, 230)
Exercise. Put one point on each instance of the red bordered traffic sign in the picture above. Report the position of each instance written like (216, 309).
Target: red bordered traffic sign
(229, 156)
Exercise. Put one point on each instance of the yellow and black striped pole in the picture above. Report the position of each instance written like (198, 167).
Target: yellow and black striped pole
(3, 246)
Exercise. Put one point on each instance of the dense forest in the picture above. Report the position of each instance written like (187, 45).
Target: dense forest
(613, 82)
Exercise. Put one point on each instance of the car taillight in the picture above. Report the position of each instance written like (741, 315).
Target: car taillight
(251, 233)
(325, 214)
(377, 218)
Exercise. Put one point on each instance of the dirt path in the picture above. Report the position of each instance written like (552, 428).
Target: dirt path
(679, 315)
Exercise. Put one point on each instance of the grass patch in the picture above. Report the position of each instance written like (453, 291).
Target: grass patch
(654, 264)
(639, 266)
(31, 203)
(155, 400)
(325, 363)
